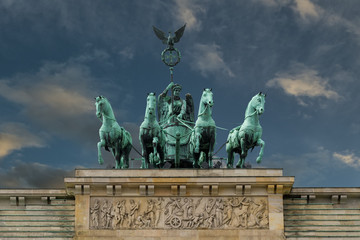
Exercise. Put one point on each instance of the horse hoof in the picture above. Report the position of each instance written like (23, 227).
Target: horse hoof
(101, 161)
(229, 166)
(258, 160)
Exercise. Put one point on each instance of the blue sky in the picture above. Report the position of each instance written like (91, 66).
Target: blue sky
(56, 56)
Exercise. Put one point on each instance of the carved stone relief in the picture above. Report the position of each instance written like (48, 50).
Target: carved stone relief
(179, 213)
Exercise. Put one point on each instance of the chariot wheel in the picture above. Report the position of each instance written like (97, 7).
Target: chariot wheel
(175, 222)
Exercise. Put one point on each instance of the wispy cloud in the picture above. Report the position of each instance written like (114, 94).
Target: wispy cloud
(127, 53)
(58, 98)
(50, 91)
(320, 163)
(307, 10)
(187, 12)
(15, 136)
(348, 158)
(208, 59)
(302, 81)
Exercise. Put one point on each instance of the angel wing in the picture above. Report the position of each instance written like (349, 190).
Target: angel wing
(179, 33)
(189, 108)
(160, 34)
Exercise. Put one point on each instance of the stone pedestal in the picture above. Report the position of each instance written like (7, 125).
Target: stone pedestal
(179, 204)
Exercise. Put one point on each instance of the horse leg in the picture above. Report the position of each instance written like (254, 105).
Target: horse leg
(147, 157)
(117, 156)
(243, 153)
(126, 156)
(202, 158)
(241, 162)
(192, 149)
(243, 147)
(143, 160)
(211, 149)
(99, 146)
(161, 157)
(260, 143)
(196, 157)
(230, 159)
(156, 159)
(197, 141)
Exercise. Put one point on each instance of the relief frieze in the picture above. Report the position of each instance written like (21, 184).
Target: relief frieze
(179, 213)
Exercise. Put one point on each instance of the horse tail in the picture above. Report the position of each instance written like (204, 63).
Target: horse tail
(127, 136)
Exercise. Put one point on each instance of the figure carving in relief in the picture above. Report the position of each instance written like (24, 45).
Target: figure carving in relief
(228, 213)
(243, 212)
(94, 212)
(150, 213)
(219, 209)
(180, 212)
(119, 214)
(196, 221)
(191, 207)
(108, 216)
(260, 214)
(105, 214)
(141, 222)
(134, 207)
(158, 209)
(209, 223)
(209, 205)
(173, 209)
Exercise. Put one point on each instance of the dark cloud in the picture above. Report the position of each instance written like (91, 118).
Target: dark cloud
(33, 175)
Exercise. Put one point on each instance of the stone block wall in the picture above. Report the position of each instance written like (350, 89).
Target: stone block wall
(322, 213)
(36, 214)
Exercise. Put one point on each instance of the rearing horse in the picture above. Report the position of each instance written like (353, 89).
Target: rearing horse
(248, 135)
(112, 135)
(203, 137)
(151, 136)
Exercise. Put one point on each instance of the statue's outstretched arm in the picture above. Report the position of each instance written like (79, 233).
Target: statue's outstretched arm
(164, 93)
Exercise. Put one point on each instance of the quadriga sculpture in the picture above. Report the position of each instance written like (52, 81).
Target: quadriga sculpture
(112, 135)
(202, 139)
(151, 136)
(248, 135)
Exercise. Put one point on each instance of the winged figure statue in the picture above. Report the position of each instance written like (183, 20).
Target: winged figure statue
(169, 40)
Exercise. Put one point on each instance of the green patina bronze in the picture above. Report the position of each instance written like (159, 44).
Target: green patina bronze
(170, 56)
(112, 135)
(203, 137)
(248, 135)
(151, 136)
(176, 117)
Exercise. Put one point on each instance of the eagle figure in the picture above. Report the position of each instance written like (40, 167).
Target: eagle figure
(170, 40)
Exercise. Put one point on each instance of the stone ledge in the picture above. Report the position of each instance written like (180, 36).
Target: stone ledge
(179, 172)
(327, 191)
(32, 192)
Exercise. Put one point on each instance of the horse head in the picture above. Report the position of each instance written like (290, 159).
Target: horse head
(207, 97)
(99, 104)
(150, 105)
(103, 108)
(258, 103)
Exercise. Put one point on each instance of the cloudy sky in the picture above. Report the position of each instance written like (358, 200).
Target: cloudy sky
(56, 56)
